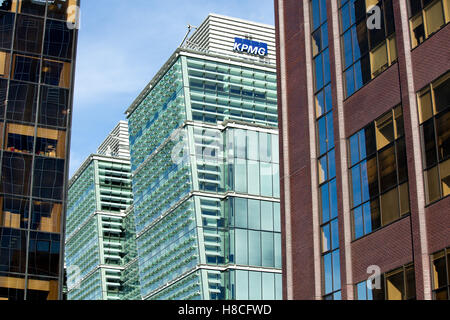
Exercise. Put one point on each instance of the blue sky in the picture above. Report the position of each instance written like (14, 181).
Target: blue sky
(122, 44)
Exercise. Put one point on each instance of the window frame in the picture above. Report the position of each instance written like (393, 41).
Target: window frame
(370, 156)
(422, 14)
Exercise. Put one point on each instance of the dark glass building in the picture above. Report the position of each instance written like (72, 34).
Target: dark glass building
(364, 91)
(37, 59)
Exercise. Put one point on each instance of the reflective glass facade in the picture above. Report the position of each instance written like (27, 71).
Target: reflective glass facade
(204, 151)
(37, 51)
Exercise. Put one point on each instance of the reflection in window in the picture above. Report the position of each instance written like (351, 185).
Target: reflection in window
(48, 178)
(44, 254)
(398, 284)
(366, 53)
(378, 171)
(31, 7)
(3, 87)
(28, 34)
(6, 29)
(259, 244)
(426, 17)
(56, 73)
(22, 101)
(25, 68)
(41, 288)
(434, 116)
(58, 40)
(16, 173)
(4, 64)
(14, 213)
(255, 285)
(58, 9)
(8, 5)
(441, 275)
(13, 247)
(53, 110)
(1, 134)
(49, 142)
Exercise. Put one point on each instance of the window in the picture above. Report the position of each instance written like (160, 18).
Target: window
(16, 173)
(398, 284)
(366, 53)
(29, 33)
(426, 18)
(56, 73)
(326, 150)
(47, 143)
(255, 285)
(60, 9)
(58, 40)
(4, 64)
(8, 5)
(434, 117)
(46, 216)
(13, 248)
(43, 254)
(48, 179)
(53, 110)
(378, 172)
(256, 230)
(6, 29)
(14, 213)
(440, 264)
(22, 101)
(25, 68)
(31, 7)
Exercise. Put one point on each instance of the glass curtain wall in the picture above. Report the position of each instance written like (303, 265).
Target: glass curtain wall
(36, 59)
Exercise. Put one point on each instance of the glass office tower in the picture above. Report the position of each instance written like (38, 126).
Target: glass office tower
(100, 238)
(204, 156)
(37, 55)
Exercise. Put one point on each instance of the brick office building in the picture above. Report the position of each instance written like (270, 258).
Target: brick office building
(364, 131)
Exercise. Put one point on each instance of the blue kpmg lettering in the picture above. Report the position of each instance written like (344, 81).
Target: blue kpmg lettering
(250, 46)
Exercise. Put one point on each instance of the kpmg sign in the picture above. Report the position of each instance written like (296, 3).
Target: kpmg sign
(250, 46)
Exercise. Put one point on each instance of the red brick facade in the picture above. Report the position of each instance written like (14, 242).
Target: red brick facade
(396, 244)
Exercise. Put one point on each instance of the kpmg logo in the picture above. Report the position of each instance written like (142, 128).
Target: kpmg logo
(250, 46)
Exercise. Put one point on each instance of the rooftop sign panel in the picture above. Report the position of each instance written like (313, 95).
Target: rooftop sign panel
(250, 46)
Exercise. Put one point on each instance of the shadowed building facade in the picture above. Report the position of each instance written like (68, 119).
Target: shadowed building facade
(37, 59)
(364, 91)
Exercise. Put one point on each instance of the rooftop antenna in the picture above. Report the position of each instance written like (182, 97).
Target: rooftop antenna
(190, 27)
